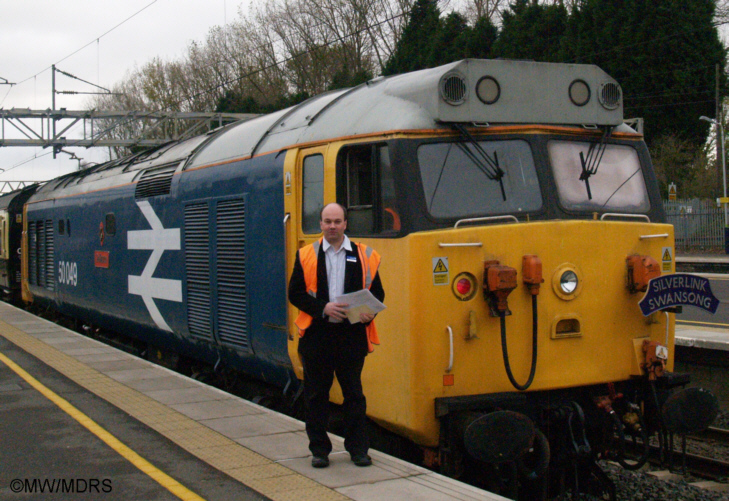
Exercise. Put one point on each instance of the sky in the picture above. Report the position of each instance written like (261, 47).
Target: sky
(82, 37)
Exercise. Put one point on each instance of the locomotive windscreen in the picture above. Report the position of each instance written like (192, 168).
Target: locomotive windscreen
(459, 184)
(616, 185)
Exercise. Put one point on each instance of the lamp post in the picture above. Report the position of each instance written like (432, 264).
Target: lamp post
(720, 134)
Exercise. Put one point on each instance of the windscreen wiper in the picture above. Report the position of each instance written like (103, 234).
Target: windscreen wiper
(489, 166)
(591, 162)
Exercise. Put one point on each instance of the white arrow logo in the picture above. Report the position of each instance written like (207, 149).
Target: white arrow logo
(158, 240)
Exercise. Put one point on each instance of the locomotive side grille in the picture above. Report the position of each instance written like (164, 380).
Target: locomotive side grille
(41, 240)
(155, 182)
(32, 254)
(230, 273)
(50, 258)
(197, 267)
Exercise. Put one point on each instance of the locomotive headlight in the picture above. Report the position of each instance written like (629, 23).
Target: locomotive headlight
(566, 281)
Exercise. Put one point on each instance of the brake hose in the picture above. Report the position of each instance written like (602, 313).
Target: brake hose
(504, 349)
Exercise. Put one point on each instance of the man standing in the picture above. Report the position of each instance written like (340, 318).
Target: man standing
(329, 343)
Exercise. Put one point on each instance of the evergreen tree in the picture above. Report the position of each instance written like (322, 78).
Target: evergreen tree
(662, 52)
(414, 47)
(531, 30)
(234, 102)
(481, 39)
(449, 43)
(345, 78)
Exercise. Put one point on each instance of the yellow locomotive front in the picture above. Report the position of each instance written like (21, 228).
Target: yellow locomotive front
(520, 223)
(553, 271)
(526, 302)
(519, 319)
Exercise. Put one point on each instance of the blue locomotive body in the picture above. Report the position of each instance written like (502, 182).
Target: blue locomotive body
(188, 261)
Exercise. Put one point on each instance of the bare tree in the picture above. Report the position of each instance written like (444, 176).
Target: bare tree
(721, 15)
(283, 47)
(490, 9)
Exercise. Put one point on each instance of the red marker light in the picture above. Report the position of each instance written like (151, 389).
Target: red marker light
(463, 286)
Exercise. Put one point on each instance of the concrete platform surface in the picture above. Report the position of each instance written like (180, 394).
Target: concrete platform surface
(693, 336)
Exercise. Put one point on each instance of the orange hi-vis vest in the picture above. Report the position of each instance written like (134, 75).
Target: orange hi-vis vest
(370, 261)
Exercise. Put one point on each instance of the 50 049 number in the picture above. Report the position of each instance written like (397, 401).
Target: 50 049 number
(67, 273)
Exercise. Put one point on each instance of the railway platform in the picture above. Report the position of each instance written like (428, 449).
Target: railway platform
(81, 417)
(702, 263)
(692, 336)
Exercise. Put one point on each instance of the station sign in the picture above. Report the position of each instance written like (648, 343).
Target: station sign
(678, 289)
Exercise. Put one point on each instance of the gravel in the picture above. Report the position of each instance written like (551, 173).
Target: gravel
(639, 486)
(722, 420)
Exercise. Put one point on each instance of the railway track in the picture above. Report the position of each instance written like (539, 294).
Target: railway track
(705, 463)
(703, 478)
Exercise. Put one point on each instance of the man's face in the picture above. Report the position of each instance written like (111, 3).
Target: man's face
(333, 224)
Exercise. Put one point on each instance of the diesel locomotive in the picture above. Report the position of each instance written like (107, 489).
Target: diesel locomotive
(518, 219)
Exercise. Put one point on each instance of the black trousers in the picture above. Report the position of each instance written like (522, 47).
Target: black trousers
(327, 352)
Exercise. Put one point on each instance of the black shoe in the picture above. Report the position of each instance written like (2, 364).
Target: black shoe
(362, 460)
(320, 461)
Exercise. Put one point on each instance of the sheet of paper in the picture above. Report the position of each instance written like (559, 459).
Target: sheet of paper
(361, 301)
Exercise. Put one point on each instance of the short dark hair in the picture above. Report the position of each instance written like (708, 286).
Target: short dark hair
(344, 210)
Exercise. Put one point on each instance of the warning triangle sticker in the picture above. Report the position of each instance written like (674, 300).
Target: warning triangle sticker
(440, 267)
(667, 255)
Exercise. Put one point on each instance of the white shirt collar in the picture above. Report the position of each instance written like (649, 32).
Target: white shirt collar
(346, 244)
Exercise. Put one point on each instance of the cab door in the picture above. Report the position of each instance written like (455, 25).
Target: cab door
(308, 185)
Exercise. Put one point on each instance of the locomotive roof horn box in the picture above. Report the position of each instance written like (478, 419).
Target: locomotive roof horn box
(484, 91)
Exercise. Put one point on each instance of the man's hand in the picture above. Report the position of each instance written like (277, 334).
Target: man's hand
(366, 317)
(337, 311)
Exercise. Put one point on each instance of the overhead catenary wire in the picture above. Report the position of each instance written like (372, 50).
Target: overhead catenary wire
(92, 41)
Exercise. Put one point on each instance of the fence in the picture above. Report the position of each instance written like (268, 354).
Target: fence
(698, 224)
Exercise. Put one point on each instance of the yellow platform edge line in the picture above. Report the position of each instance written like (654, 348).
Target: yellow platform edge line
(689, 323)
(138, 461)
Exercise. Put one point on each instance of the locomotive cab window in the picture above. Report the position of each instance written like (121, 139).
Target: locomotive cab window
(464, 179)
(367, 188)
(312, 199)
(614, 184)
(61, 227)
